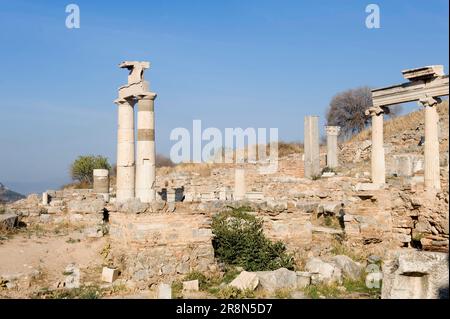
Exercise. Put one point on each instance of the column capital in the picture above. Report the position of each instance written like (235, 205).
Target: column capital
(332, 130)
(120, 101)
(429, 101)
(376, 110)
(146, 96)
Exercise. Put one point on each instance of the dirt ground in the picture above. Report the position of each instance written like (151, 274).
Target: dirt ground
(32, 260)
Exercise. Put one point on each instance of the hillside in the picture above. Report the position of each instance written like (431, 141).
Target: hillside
(402, 135)
(7, 195)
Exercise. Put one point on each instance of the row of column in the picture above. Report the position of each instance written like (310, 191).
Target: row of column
(312, 146)
(431, 151)
(136, 178)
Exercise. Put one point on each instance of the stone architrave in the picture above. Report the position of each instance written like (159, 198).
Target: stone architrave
(426, 85)
(312, 155)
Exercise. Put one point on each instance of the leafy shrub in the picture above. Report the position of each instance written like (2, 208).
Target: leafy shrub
(81, 169)
(239, 241)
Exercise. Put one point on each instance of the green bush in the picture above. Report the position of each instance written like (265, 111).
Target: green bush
(239, 241)
(81, 169)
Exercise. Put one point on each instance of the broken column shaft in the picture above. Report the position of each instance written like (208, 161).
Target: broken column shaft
(311, 137)
(332, 146)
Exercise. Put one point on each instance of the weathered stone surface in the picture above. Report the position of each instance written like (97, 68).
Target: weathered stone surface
(368, 187)
(412, 274)
(109, 274)
(191, 285)
(133, 206)
(348, 267)
(72, 279)
(303, 279)
(8, 221)
(164, 291)
(278, 279)
(327, 272)
(245, 280)
(87, 206)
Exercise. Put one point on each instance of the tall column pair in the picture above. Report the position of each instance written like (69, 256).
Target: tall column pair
(136, 178)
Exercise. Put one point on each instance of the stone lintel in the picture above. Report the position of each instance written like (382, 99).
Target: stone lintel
(411, 91)
(133, 90)
(423, 72)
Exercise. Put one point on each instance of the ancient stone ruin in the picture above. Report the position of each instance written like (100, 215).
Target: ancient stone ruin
(339, 221)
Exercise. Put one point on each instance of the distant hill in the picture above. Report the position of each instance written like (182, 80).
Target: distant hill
(7, 195)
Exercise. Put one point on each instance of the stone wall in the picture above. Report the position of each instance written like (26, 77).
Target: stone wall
(151, 247)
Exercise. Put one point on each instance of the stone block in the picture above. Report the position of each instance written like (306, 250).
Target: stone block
(164, 291)
(72, 279)
(109, 274)
(8, 221)
(368, 187)
(245, 281)
(191, 285)
(412, 274)
(278, 279)
(303, 279)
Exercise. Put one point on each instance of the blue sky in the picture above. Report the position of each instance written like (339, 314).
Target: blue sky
(234, 63)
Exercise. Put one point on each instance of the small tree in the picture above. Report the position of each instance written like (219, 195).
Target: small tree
(239, 241)
(81, 169)
(347, 110)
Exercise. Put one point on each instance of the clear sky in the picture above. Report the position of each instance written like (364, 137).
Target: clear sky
(233, 63)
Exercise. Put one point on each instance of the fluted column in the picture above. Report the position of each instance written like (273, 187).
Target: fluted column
(145, 152)
(332, 146)
(125, 150)
(377, 158)
(431, 163)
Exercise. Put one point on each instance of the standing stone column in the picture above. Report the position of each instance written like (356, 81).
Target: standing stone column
(431, 163)
(312, 156)
(377, 158)
(145, 149)
(125, 150)
(239, 184)
(101, 182)
(332, 146)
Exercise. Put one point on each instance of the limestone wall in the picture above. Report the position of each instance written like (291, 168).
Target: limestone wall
(153, 246)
